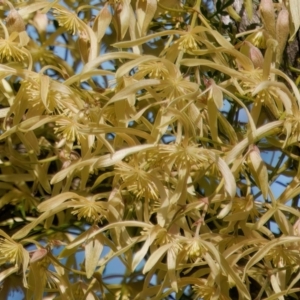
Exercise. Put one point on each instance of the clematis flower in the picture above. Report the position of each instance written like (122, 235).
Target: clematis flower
(68, 19)
(69, 128)
(203, 291)
(284, 255)
(14, 253)
(194, 248)
(153, 69)
(206, 292)
(137, 180)
(291, 127)
(91, 210)
(10, 50)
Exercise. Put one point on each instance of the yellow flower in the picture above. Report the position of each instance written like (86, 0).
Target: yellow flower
(92, 211)
(203, 291)
(188, 42)
(245, 204)
(52, 100)
(206, 292)
(67, 19)
(137, 180)
(70, 128)
(292, 128)
(271, 96)
(173, 87)
(153, 69)
(10, 50)
(284, 256)
(194, 248)
(182, 155)
(14, 253)
(11, 251)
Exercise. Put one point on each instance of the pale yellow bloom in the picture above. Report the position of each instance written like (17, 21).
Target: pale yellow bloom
(194, 248)
(10, 50)
(153, 69)
(53, 98)
(14, 253)
(245, 204)
(203, 291)
(92, 211)
(292, 128)
(188, 42)
(11, 251)
(69, 128)
(284, 255)
(183, 155)
(137, 180)
(67, 19)
(207, 292)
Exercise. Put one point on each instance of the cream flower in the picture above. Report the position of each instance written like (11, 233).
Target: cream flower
(137, 180)
(194, 248)
(67, 19)
(10, 50)
(92, 211)
(13, 253)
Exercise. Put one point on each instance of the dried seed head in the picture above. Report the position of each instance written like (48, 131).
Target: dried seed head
(14, 22)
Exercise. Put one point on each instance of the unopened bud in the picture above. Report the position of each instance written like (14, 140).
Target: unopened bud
(102, 22)
(38, 255)
(267, 12)
(282, 33)
(40, 21)
(253, 53)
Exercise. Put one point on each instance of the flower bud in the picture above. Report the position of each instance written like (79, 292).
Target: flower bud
(282, 33)
(38, 255)
(40, 21)
(253, 53)
(102, 22)
(266, 9)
